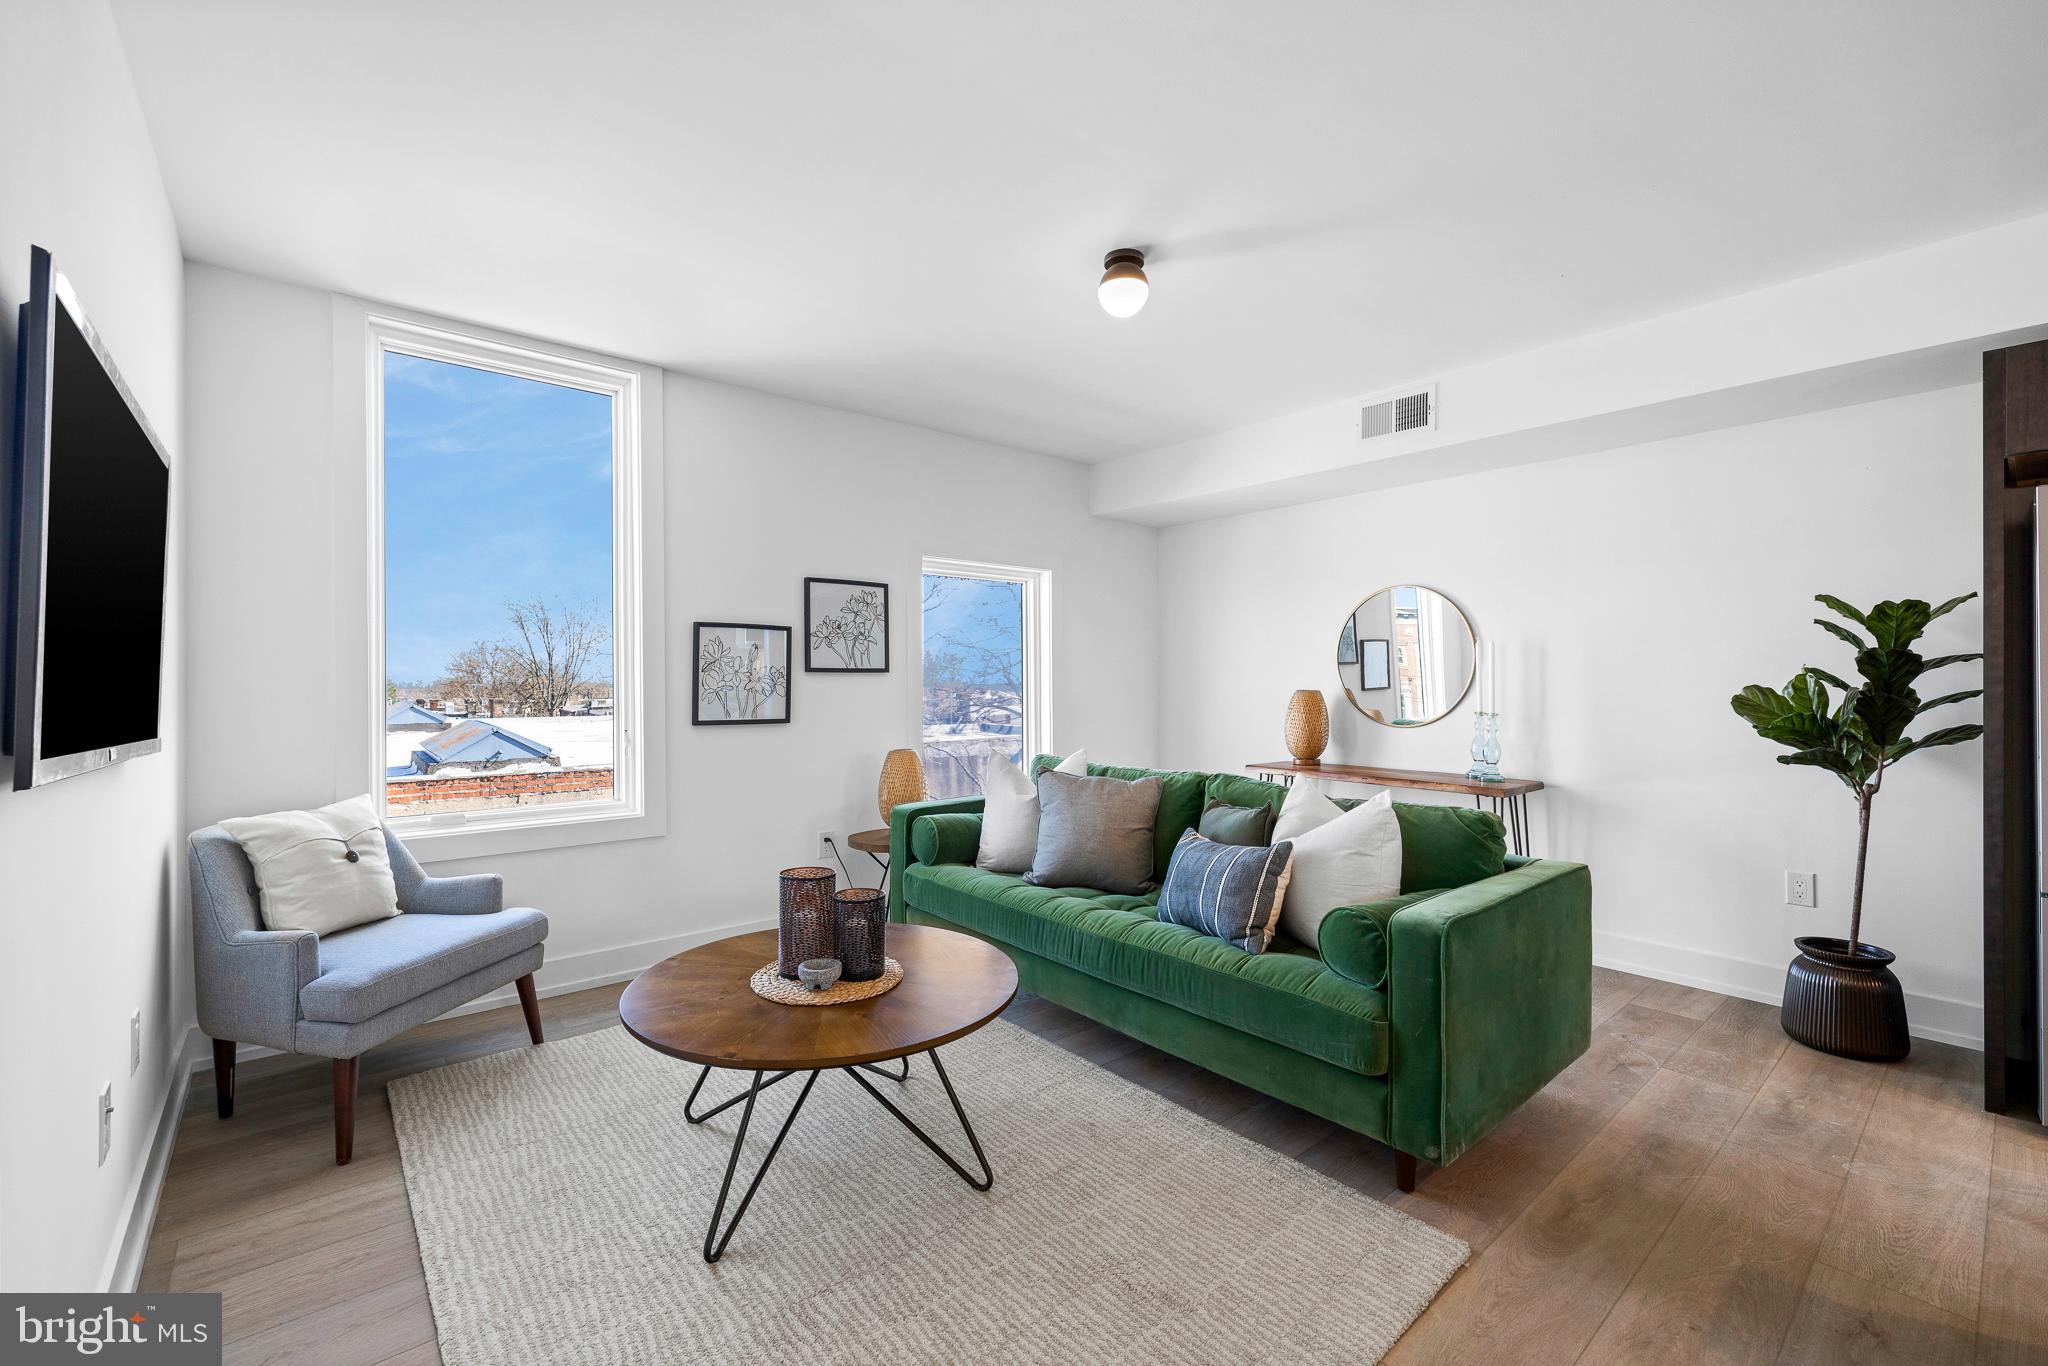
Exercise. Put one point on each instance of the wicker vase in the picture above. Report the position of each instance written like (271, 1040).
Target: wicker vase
(1308, 726)
(902, 781)
(807, 929)
(862, 914)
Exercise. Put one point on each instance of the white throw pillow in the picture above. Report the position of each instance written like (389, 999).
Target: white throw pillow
(1341, 858)
(322, 870)
(1009, 814)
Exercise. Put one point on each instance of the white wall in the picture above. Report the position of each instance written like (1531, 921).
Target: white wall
(91, 922)
(760, 492)
(1631, 591)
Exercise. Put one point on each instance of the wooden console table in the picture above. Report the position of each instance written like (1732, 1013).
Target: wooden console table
(1510, 796)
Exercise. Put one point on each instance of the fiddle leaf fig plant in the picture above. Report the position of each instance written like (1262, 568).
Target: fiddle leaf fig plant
(1859, 732)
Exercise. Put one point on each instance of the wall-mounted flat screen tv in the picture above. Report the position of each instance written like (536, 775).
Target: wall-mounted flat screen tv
(86, 532)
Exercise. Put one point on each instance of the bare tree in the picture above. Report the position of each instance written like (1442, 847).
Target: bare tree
(551, 646)
(482, 672)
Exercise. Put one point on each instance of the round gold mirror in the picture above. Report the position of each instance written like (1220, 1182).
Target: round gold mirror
(1406, 656)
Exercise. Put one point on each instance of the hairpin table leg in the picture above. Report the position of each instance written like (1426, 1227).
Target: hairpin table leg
(987, 1176)
(714, 1242)
(904, 1075)
(723, 1105)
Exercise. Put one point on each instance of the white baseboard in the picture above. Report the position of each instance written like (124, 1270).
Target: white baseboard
(123, 1267)
(1930, 1017)
(560, 976)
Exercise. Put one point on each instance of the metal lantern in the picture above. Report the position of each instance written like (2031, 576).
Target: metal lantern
(863, 914)
(902, 781)
(806, 930)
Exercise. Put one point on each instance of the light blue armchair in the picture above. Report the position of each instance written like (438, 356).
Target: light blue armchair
(339, 995)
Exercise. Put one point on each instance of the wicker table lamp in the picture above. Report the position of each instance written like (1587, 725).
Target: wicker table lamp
(902, 781)
(1308, 726)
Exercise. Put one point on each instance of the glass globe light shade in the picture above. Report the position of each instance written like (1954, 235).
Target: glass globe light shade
(1123, 290)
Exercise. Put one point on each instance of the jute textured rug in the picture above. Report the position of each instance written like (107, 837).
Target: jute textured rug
(561, 1202)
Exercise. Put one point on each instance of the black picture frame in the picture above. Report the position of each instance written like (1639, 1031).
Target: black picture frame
(841, 644)
(1347, 642)
(729, 692)
(1374, 662)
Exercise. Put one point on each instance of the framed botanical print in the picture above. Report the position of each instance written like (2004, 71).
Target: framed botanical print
(1347, 642)
(846, 626)
(1373, 668)
(740, 676)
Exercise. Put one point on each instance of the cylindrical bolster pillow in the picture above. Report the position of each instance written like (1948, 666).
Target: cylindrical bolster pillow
(1354, 938)
(949, 837)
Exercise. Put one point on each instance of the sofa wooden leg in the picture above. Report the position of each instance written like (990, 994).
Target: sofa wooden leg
(529, 1003)
(344, 1110)
(1404, 1170)
(224, 1077)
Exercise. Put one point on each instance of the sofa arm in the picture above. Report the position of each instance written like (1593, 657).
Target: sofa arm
(901, 852)
(249, 982)
(1353, 939)
(1490, 995)
(947, 837)
(471, 894)
(418, 894)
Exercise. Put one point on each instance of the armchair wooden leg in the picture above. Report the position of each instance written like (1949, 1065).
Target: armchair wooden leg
(529, 1003)
(1404, 1170)
(344, 1110)
(224, 1077)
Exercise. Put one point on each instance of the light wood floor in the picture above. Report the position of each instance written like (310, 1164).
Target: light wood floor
(1693, 1189)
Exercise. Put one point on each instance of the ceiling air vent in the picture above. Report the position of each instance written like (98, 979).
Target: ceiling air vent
(1408, 411)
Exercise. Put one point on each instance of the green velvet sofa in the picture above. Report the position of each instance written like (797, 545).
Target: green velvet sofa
(1423, 1023)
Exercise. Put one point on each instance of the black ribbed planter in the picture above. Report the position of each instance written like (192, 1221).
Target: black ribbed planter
(1851, 1007)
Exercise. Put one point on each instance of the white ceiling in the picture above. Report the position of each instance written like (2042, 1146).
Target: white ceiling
(901, 207)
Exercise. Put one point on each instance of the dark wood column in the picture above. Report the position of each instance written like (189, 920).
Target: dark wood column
(2015, 461)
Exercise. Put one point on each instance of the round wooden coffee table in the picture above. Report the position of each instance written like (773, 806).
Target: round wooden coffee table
(697, 1006)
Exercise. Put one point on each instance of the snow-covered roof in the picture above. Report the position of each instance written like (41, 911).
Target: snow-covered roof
(575, 741)
(479, 742)
(413, 716)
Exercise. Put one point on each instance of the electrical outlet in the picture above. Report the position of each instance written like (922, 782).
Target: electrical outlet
(1799, 889)
(106, 1121)
(825, 846)
(134, 1042)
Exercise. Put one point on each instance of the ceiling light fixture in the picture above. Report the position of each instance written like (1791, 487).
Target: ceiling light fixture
(1124, 287)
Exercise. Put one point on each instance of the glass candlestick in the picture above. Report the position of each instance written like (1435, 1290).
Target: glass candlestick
(1485, 748)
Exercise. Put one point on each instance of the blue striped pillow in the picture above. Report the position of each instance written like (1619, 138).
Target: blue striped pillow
(1232, 891)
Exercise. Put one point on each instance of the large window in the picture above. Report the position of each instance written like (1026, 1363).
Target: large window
(984, 662)
(507, 635)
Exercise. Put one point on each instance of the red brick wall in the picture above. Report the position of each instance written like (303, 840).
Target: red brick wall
(485, 790)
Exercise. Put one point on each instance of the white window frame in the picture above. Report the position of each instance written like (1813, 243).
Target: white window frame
(364, 334)
(1037, 670)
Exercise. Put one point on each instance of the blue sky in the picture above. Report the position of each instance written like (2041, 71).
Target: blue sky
(495, 489)
(973, 611)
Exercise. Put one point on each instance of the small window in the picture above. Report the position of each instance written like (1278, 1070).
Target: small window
(984, 671)
(507, 633)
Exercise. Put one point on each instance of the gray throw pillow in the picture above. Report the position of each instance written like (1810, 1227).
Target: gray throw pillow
(1095, 832)
(1232, 891)
(1227, 824)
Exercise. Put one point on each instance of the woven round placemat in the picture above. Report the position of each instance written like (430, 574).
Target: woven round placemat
(770, 985)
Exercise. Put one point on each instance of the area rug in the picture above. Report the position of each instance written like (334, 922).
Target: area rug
(561, 1201)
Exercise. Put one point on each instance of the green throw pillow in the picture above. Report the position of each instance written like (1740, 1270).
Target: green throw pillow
(1227, 824)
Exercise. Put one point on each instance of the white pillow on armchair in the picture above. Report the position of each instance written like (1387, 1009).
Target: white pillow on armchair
(323, 870)
(1009, 814)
